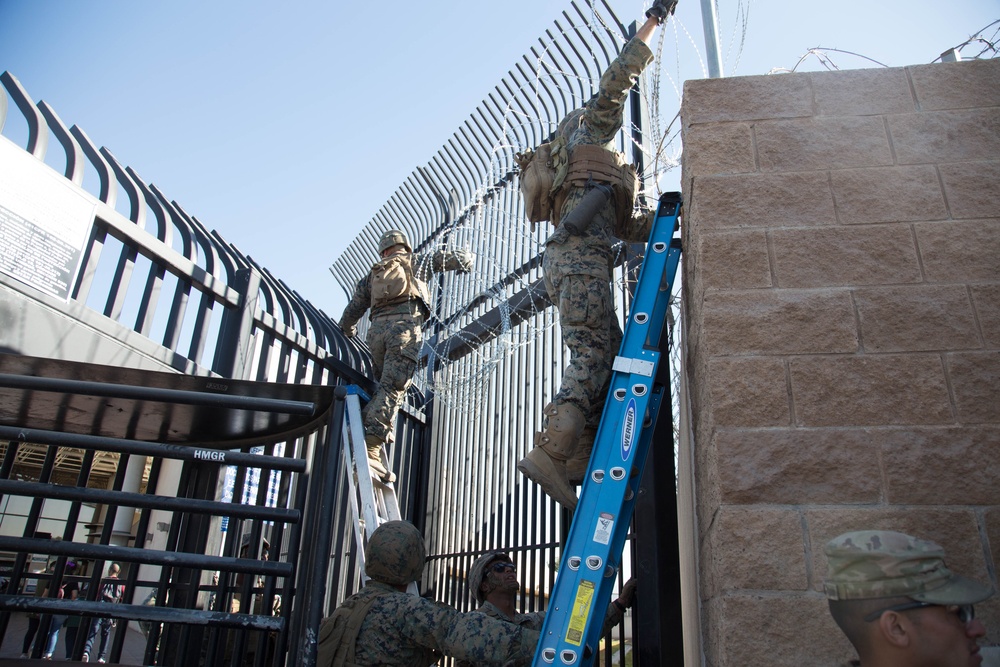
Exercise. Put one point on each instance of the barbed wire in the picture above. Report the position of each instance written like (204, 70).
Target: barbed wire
(988, 49)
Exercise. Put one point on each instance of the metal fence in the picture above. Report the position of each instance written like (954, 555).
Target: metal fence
(494, 354)
(158, 281)
(174, 504)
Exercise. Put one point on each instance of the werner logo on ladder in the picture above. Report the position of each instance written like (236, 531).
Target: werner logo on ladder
(592, 552)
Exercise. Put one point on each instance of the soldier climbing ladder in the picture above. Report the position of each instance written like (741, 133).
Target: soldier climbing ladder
(592, 552)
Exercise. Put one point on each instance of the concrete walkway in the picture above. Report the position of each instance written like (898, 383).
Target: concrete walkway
(10, 648)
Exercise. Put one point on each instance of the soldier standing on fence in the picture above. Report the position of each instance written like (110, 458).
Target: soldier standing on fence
(396, 292)
(589, 194)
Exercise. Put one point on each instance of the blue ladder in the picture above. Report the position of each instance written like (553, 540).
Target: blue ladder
(592, 553)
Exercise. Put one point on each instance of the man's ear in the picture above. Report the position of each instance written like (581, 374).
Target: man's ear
(896, 629)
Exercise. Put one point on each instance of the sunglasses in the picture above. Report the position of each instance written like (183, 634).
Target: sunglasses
(502, 567)
(965, 612)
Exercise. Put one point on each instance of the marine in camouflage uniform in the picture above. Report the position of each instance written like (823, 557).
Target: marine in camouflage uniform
(493, 582)
(899, 604)
(577, 270)
(383, 625)
(394, 336)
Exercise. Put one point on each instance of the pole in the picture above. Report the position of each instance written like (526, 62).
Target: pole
(711, 25)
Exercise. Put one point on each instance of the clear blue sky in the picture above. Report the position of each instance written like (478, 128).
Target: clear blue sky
(285, 126)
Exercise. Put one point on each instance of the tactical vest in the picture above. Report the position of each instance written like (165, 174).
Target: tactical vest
(338, 635)
(588, 162)
(547, 171)
(392, 281)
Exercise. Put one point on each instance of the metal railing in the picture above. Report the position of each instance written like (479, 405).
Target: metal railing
(168, 290)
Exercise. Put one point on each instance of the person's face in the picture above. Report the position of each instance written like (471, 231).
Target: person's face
(502, 575)
(943, 639)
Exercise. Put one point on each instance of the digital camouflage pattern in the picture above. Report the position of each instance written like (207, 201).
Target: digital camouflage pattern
(394, 337)
(406, 630)
(884, 564)
(577, 269)
(395, 553)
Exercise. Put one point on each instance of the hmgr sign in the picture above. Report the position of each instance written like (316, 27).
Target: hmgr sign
(209, 455)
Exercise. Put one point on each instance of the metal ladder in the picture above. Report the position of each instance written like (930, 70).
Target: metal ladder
(372, 501)
(592, 552)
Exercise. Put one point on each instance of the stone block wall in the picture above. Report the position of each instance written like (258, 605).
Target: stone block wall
(842, 296)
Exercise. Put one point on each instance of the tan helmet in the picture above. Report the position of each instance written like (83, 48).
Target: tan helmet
(391, 238)
(478, 571)
(396, 553)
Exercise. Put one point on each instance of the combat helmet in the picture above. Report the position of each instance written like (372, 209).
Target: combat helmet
(391, 238)
(396, 553)
(478, 571)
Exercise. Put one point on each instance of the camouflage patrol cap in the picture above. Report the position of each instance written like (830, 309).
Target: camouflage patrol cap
(478, 571)
(391, 238)
(396, 553)
(869, 564)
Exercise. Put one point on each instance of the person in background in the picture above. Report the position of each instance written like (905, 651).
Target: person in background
(899, 604)
(41, 590)
(69, 590)
(110, 592)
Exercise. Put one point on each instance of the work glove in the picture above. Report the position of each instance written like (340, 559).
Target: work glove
(349, 330)
(465, 260)
(627, 596)
(661, 9)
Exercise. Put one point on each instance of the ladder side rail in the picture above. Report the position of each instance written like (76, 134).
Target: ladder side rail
(353, 501)
(592, 553)
(366, 489)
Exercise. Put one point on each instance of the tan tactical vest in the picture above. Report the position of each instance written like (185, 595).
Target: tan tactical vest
(392, 281)
(588, 162)
(549, 168)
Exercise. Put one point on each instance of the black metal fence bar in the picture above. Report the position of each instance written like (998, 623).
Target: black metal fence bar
(139, 612)
(108, 389)
(193, 452)
(146, 501)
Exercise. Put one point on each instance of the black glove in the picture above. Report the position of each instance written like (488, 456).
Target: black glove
(661, 9)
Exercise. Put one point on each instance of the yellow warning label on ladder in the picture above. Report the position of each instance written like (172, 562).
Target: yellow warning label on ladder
(581, 611)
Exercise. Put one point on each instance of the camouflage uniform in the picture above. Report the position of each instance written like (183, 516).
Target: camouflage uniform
(533, 620)
(394, 337)
(577, 271)
(380, 625)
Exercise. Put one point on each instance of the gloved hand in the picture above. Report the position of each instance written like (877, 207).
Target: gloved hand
(349, 330)
(466, 259)
(661, 9)
(627, 596)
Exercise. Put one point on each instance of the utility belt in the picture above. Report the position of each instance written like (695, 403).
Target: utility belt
(413, 308)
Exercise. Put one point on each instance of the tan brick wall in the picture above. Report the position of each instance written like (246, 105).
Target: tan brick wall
(842, 296)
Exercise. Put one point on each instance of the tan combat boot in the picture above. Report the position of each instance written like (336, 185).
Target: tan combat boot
(546, 463)
(576, 466)
(374, 445)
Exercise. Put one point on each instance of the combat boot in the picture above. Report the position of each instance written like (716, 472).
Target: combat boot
(546, 463)
(374, 445)
(576, 466)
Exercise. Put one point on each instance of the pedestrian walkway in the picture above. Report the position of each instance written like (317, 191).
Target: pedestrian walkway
(10, 648)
